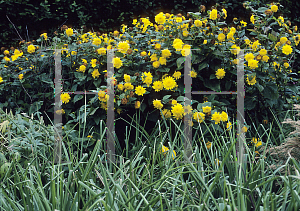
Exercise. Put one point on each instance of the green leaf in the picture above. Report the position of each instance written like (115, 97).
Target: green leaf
(180, 98)
(270, 91)
(272, 37)
(212, 76)
(271, 102)
(166, 98)
(293, 87)
(227, 85)
(249, 103)
(179, 61)
(202, 66)
(262, 9)
(93, 112)
(28, 86)
(213, 85)
(119, 54)
(77, 98)
(260, 87)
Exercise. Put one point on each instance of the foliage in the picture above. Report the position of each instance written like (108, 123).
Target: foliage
(30, 17)
(148, 177)
(149, 65)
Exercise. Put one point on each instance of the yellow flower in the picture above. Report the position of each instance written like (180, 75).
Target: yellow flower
(6, 59)
(224, 116)
(229, 125)
(208, 145)
(178, 19)
(69, 32)
(244, 129)
(255, 45)
(6, 52)
(20, 76)
(221, 37)
(82, 68)
(280, 20)
(31, 49)
(256, 142)
(193, 74)
(153, 58)
(117, 62)
(247, 41)
(157, 86)
(1, 79)
(120, 87)
(156, 64)
(101, 51)
(143, 53)
(177, 44)
(232, 30)
(186, 50)
(128, 86)
(167, 113)
(165, 149)
(220, 73)
(146, 74)
(148, 81)
(199, 116)
(216, 117)
(225, 13)
(127, 78)
(157, 46)
(286, 65)
(287, 49)
(157, 104)
(185, 33)
(263, 52)
(174, 102)
(252, 63)
(265, 58)
(283, 40)
(95, 73)
(137, 105)
(177, 75)
(213, 14)
(139, 90)
(274, 8)
(244, 23)
(166, 53)
(162, 60)
(205, 42)
(187, 109)
(249, 56)
(93, 62)
(65, 97)
(123, 47)
(206, 109)
(160, 18)
(169, 83)
(235, 49)
(252, 19)
(96, 41)
(116, 33)
(252, 82)
(198, 23)
(177, 111)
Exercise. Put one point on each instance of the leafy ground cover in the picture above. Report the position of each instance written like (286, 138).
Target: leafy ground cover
(151, 172)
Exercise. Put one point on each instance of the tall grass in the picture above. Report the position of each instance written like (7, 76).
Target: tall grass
(144, 178)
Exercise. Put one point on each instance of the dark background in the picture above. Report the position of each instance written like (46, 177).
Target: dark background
(31, 17)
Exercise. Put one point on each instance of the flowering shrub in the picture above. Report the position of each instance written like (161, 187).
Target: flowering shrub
(149, 63)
